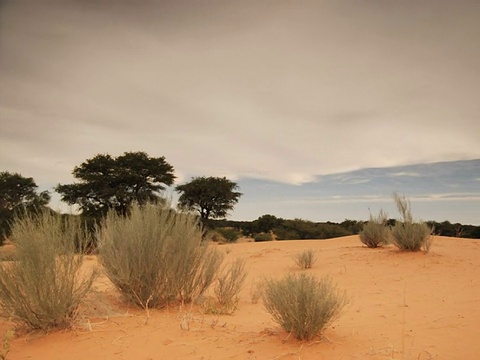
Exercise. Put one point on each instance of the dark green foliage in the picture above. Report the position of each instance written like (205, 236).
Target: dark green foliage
(263, 237)
(212, 197)
(229, 234)
(18, 196)
(106, 182)
(303, 229)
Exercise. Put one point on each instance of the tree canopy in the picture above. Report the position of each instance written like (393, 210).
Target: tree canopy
(212, 197)
(18, 193)
(106, 182)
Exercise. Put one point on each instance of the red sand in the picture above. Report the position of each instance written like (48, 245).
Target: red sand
(403, 306)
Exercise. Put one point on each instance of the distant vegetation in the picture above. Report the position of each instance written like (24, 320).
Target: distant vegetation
(105, 183)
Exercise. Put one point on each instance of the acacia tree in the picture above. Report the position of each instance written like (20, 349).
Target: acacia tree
(18, 194)
(212, 197)
(107, 182)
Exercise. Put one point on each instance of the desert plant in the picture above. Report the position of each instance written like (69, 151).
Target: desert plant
(301, 304)
(43, 288)
(305, 259)
(156, 255)
(229, 234)
(408, 235)
(229, 284)
(263, 237)
(375, 232)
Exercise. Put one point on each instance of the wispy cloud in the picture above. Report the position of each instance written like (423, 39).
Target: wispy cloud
(406, 173)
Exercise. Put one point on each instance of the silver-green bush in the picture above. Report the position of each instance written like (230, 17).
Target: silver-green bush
(155, 255)
(375, 232)
(305, 259)
(228, 286)
(301, 304)
(43, 288)
(408, 235)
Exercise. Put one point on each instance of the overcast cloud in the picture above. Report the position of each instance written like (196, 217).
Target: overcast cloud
(275, 90)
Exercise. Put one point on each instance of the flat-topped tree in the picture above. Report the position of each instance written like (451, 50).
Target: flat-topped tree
(106, 182)
(212, 197)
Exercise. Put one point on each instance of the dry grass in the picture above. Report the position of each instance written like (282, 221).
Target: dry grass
(43, 288)
(375, 232)
(305, 259)
(301, 304)
(156, 255)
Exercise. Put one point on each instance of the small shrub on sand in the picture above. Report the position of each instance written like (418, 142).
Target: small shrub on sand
(156, 255)
(262, 237)
(301, 304)
(227, 288)
(375, 232)
(408, 235)
(43, 287)
(305, 259)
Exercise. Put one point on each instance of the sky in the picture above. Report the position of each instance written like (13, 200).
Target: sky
(276, 93)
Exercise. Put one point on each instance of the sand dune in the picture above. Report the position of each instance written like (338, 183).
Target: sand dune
(403, 306)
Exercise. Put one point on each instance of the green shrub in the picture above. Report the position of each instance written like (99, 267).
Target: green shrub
(301, 304)
(227, 288)
(375, 232)
(263, 237)
(229, 234)
(408, 235)
(305, 259)
(43, 287)
(156, 255)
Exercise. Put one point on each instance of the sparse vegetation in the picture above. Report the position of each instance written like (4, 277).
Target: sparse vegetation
(156, 255)
(375, 232)
(43, 287)
(263, 237)
(229, 234)
(305, 259)
(408, 235)
(301, 304)
(227, 288)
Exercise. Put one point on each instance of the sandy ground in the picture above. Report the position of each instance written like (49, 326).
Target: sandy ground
(403, 306)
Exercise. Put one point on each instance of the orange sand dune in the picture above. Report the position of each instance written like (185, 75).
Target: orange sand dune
(403, 306)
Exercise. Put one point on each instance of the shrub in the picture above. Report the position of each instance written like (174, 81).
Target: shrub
(229, 234)
(301, 304)
(227, 288)
(156, 255)
(408, 235)
(375, 232)
(263, 237)
(43, 288)
(305, 259)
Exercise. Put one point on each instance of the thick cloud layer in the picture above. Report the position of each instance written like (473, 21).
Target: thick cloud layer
(276, 90)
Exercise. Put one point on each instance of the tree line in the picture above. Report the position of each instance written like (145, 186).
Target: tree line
(106, 183)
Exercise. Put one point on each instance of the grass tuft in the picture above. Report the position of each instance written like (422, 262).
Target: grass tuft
(375, 232)
(301, 304)
(43, 288)
(305, 259)
(155, 255)
(408, 235)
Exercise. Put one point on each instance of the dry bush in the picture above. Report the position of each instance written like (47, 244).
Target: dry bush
(305, 259)
(43, 288)
(375, 232)
(301, 304)
(227, 289)
(408, 235)
(156, 255)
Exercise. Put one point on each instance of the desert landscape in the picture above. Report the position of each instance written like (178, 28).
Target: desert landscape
(402, 305)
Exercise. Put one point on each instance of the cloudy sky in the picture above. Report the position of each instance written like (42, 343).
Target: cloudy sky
(279, 92)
